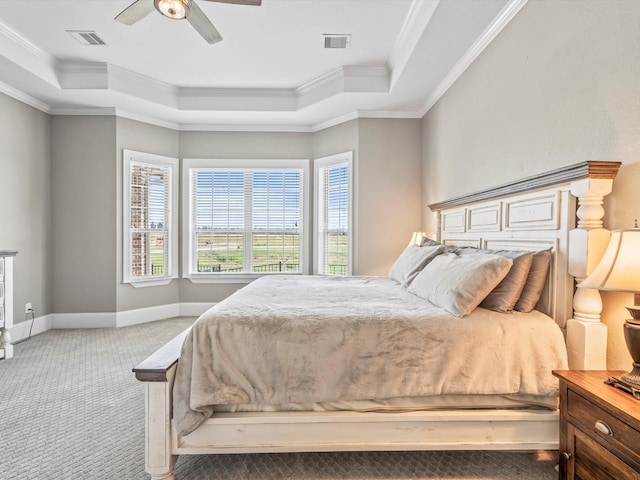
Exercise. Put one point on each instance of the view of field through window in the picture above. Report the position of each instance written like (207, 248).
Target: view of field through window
(247, 220)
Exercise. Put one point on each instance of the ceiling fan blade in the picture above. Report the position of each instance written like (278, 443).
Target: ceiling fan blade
(256, 3)
(202, 24)
(136, 11)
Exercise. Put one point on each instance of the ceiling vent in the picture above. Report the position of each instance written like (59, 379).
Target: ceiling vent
(336, 41)
(86, 37)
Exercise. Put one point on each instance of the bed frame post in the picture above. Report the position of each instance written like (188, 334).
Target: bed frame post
(158, 459)
(158, 372)
(586, 334)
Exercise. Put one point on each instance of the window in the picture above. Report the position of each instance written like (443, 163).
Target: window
(150, 218)
(333, 215)
(245, 218)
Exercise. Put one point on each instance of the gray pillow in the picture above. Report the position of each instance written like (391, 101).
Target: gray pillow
(504, 297)
(459, 283)
(536, 280)
(411, 261)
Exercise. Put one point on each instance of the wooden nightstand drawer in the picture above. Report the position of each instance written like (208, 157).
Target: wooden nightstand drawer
(600, 423)
(592, 460)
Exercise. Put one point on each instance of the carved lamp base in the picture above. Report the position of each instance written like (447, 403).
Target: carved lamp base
(630, 382)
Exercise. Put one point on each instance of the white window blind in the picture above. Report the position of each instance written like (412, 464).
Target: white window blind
(245, 220)
(333, 215)
(149, 223)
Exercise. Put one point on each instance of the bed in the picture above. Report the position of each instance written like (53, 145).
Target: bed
(364, 388)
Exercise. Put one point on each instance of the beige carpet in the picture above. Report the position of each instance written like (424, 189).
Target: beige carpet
(71, 409)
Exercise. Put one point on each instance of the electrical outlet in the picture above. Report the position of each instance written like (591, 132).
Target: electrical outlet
(27, 307)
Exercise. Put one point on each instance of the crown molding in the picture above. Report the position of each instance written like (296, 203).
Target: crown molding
(501, 21)
(24, 98)
(159, 101)
(25, 44)
(414, 25)
(27, 55)
(398, 114)
(83, 75)
(84, 111)
(195, 127)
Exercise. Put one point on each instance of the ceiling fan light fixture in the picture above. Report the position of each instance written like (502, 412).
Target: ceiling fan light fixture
(176, 9)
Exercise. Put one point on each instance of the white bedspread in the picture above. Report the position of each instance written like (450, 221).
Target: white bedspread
(287, 339)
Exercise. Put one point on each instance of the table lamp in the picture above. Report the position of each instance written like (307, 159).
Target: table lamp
(417, 238)
(619, 271)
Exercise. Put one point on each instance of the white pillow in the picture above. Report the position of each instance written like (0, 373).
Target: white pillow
(411, 261)
(459, 283)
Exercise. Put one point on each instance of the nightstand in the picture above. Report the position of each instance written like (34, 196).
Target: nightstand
(599, 428)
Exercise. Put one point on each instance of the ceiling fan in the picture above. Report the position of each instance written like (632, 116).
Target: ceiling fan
(178, 10)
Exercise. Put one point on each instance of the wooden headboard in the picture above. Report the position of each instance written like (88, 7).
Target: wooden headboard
(560, 210)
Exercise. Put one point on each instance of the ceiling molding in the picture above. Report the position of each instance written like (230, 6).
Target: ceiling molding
(194, 127)
(83, 75)
(103, 76)
(335, 121)
(24, 98)
(27, 55)
(237, 99)
(389, 114)
(25, 44)
(414, 26)
(89, 111)
(128, 94)
(501, 21)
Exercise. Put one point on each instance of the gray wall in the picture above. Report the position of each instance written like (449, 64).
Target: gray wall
(25, 203)
(559, 85)
(389, 191)
(83, 185)
(387, 163)
(141, 137)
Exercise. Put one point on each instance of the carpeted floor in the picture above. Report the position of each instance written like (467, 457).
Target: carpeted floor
(71, 409)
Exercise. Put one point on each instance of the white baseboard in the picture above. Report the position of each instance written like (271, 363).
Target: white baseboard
(149, 314)
(84, 320)
(23, 330)
(126, 318)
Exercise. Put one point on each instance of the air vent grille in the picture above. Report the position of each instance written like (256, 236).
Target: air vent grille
(336, 41)
(86, 37)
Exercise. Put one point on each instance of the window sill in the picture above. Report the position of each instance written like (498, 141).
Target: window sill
(155, 282)
(232, 277)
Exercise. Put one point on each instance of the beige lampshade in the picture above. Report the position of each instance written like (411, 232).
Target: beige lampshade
(619, 268)
(416, 238)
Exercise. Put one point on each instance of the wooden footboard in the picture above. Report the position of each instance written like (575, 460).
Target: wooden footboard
(158, 372)
(326, 431)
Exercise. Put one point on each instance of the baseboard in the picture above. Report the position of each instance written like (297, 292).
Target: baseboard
(126, 318)
(23, 330)
(145, 315)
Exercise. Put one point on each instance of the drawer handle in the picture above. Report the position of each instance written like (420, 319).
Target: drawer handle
(566, 455)
(603, 428)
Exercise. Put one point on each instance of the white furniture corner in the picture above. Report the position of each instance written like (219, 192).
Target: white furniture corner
(6, 302)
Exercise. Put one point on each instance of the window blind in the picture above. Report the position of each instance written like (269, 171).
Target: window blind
(246, 220)
(333, 219)
(149, 214)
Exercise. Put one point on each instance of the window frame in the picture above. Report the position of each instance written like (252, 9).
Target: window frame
(257, 164)
(318, 164)
(130, 157)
